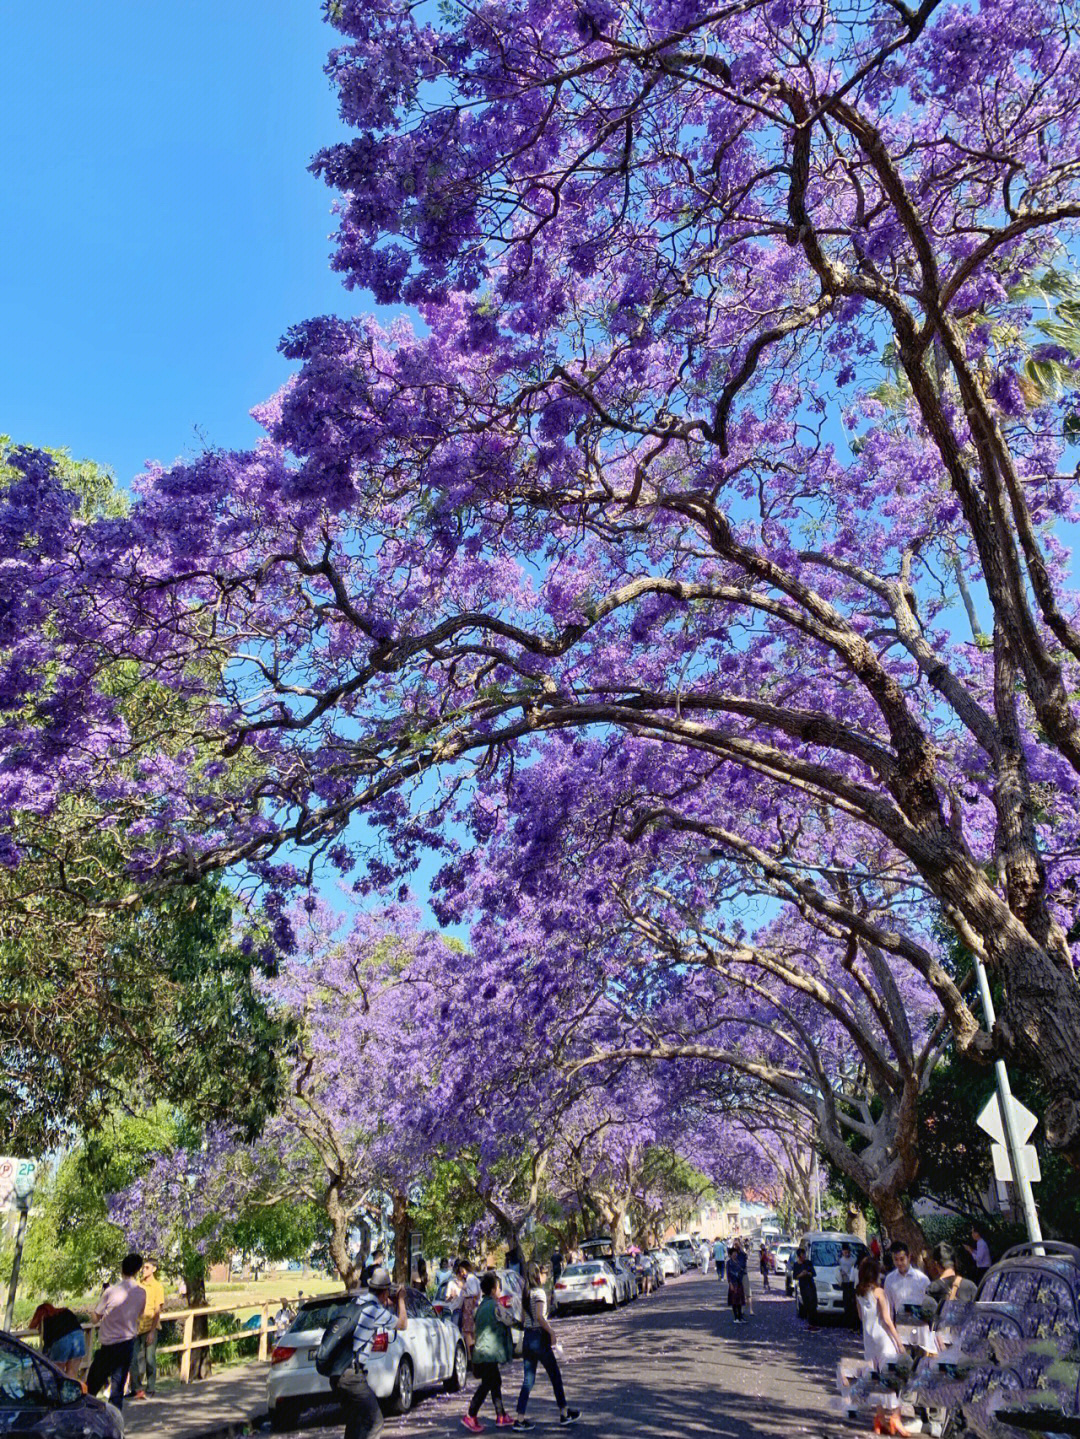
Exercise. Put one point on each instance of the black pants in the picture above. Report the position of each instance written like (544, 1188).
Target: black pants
(765, 1278)
(490, 1383)
(851, 1314)
(537, 1350)
(363, 1417)
(110, 1364)
(808, 1296)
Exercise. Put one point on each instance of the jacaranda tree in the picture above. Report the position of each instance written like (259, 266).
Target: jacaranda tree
(725, 411)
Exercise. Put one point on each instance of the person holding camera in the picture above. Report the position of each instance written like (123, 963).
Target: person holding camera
(364, 1418)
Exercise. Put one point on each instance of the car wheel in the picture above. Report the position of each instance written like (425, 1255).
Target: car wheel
(284, 1415)
(402, 1397)
(612, 1302)
(455, 1380)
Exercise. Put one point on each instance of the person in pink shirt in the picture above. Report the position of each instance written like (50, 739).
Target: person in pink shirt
(117, 1313)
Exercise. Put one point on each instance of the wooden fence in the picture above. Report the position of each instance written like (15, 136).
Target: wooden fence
(188, 1344)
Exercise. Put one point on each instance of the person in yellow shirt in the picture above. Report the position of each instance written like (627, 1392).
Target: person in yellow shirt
(144, 1360)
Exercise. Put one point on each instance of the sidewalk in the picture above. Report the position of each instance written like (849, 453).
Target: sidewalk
(226, 1404)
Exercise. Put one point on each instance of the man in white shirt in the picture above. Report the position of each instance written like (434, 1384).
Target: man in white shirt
(117, 1315)
(905, 1289)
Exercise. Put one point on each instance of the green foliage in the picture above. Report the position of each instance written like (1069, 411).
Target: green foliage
(955, 1164)
(71, 1247)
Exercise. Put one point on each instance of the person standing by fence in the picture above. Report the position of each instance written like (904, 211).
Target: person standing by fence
(117, 1314)
(144, 1357)
(62, 1337)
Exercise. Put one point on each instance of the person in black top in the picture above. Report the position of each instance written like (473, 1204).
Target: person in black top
(62, 1337)
(805, 1276)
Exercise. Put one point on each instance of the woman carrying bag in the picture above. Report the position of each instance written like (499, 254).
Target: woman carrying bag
(494, 1347)
(539, 1349)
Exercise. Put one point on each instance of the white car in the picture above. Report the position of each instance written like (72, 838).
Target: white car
(592, 1285)
(623, 1266)
(668, 1262)
(823, 1249)
(430, 1351)
(785, 1257)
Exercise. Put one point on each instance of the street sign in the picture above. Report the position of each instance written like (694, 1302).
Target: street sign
(16, 1181)
(989, 1120)
(1029, 1158)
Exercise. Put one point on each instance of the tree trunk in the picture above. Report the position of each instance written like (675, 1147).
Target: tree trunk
(195, 1279)
(856, 1222)
(338, 1215)
(400, 1220)
(904, 1226)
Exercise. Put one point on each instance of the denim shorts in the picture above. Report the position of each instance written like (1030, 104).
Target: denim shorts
(69, 1346)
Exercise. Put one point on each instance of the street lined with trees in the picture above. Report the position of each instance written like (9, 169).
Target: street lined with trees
(674, 592)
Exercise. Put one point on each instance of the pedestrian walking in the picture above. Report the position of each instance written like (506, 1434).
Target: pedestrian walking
(882, 1344)
(719, 1254)
(805, 1276)
(468, 1303)
(946, 1286)
(736, 1280)
(980, 1253)
(703, 1257)
(556, 1265)
(906, 1289)
(515, 1260)
(539, 1349)
(494, 1347)
(117, 1315)
(763, 1262)
(443, 1273)
(364, 1418)
(62, 1337)
(848, 1279)
(143, 1378)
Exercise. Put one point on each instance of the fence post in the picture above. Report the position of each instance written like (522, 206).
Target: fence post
(185, 1357)
(263, 1355)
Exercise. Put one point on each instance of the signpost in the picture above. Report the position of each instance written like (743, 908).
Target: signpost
(1012, 1124)
(16, 1192)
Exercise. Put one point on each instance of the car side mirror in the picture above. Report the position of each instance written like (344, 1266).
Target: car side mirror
(71, 1391)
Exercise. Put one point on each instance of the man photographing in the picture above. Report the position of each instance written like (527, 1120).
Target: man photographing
(374, 1316)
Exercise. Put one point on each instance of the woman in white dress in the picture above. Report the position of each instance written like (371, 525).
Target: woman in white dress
(881, 1342)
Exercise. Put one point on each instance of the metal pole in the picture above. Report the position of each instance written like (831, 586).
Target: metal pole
(16, 1265)
(1012, 1139)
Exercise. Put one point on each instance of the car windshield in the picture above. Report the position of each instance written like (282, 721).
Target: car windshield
(318, 1316)
(576, 1269)
(825, 1253)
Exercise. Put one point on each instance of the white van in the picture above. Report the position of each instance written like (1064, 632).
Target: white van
(823, 1251)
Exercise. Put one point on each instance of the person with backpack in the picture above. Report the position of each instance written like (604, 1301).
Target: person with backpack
(494, 1347)
(346, 1344)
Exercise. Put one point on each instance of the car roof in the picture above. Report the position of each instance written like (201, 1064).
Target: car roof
(832, 1234)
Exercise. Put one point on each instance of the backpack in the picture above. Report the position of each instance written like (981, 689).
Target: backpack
(334, 1354)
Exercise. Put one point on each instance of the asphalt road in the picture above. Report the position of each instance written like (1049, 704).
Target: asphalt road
(673, 1363)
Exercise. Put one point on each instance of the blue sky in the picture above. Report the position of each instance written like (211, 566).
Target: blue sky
(161, 230)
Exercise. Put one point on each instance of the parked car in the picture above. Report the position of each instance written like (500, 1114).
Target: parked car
(823, 1251)
(37, 1398)
(784, 1257)
(1011, 1368)
(668, 1261)
(687, 1250)
(430, 1351)
(624, 1264)
(625, 1280)
(591, 1285)
(682, 1265)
